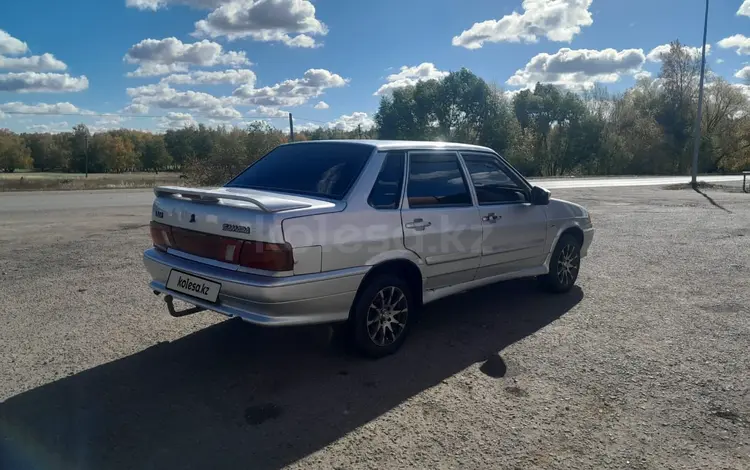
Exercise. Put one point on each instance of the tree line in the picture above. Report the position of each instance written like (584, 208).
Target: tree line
(547, 131)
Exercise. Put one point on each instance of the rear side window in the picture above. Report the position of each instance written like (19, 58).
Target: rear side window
(386, 192)
(316, 169)
(436, 179)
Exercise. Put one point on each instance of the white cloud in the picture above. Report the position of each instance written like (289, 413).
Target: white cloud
(135, 109)
(307, 126)
(42, 108)
(51, 128)
(10, 45)
(657, 52)
(245, 124)
(557, 20)
(268, 112)
(163, 96)
(110, 120)
(350, 122)
(744, 9)
(322, 105)
(719, 61)
(29, 82)
(176, 121)
(738, 41)
(410, 76)
(169, 55)
(579, 69)
(35, 63)
(744, 73)
(107, 123)
(642, 74)
(745, 89)
(224, 113)
(153, 70)
(264, 20)
(290, 92)
(231, 76)
(157, 4)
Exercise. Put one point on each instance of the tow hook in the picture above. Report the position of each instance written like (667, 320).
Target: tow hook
(183, 313)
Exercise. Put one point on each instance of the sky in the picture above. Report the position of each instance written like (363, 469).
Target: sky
(160, 64)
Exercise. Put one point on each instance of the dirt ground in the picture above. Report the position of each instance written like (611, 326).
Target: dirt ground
(643, 366)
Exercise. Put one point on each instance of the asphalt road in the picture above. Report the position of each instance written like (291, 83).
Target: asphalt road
(100, 199)
(643, 366)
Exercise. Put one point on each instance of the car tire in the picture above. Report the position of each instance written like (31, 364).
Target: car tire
(381, 316)
(564, 265)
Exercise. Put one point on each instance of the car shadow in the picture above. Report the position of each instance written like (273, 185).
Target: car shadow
(233, 395)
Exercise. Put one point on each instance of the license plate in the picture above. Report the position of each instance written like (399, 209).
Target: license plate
(193, 286)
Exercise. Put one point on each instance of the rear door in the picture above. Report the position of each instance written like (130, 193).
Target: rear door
(441, 223)
(515, 230)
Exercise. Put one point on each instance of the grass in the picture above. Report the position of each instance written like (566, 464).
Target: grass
(38, 181)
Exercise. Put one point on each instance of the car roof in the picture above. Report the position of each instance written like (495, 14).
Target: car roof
(400, 144)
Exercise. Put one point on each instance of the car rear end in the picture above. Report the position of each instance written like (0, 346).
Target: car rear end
(225, 249)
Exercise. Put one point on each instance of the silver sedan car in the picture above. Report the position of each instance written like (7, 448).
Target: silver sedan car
(360, 234)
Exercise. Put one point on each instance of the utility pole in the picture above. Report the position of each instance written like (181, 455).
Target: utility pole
(86, 152)
(697, 131)
(359, 130)
(291, 128)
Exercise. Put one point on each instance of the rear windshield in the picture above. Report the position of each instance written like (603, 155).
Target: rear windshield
(316, 169)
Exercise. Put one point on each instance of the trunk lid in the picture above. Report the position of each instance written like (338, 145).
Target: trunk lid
(245, 214)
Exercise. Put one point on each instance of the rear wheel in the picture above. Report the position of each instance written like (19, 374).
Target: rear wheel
(563, 266)
(381, 316)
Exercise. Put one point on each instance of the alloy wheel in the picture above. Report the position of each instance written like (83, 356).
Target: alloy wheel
(568, 264)
(387, 315)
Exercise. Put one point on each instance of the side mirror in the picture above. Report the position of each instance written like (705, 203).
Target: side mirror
(539, 196)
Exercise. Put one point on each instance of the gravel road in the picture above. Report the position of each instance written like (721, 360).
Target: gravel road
(644, 366)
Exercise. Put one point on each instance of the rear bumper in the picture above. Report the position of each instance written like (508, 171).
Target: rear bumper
(283, 301)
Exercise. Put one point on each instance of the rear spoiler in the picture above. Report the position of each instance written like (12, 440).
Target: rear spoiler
(266, 203)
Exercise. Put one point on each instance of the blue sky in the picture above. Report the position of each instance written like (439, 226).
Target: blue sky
(168, 63)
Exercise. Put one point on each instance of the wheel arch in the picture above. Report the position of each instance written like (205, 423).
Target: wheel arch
(572, 229)
(404, 268)
(575, 231)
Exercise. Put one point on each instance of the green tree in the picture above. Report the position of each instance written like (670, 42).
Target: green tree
(232, 151)
(80, 141)
(155, 155)
(14, 154)
(679, 82)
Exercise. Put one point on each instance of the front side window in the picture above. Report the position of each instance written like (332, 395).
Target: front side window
(436, 179)
(492, 182)
(386, 192)
(315, 169)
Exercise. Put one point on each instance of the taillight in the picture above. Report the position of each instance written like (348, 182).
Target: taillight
(268, 256)
(250, 254)
(161, 236)
(207, 245)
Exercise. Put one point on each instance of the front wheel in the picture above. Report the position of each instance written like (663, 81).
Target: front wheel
(564, 265)
(381, 316)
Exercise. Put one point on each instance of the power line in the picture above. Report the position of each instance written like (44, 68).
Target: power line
(311, 120)
(92, 114)
(149, 116)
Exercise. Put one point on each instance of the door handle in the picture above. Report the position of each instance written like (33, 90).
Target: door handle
(418, 224)
(491, 217)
